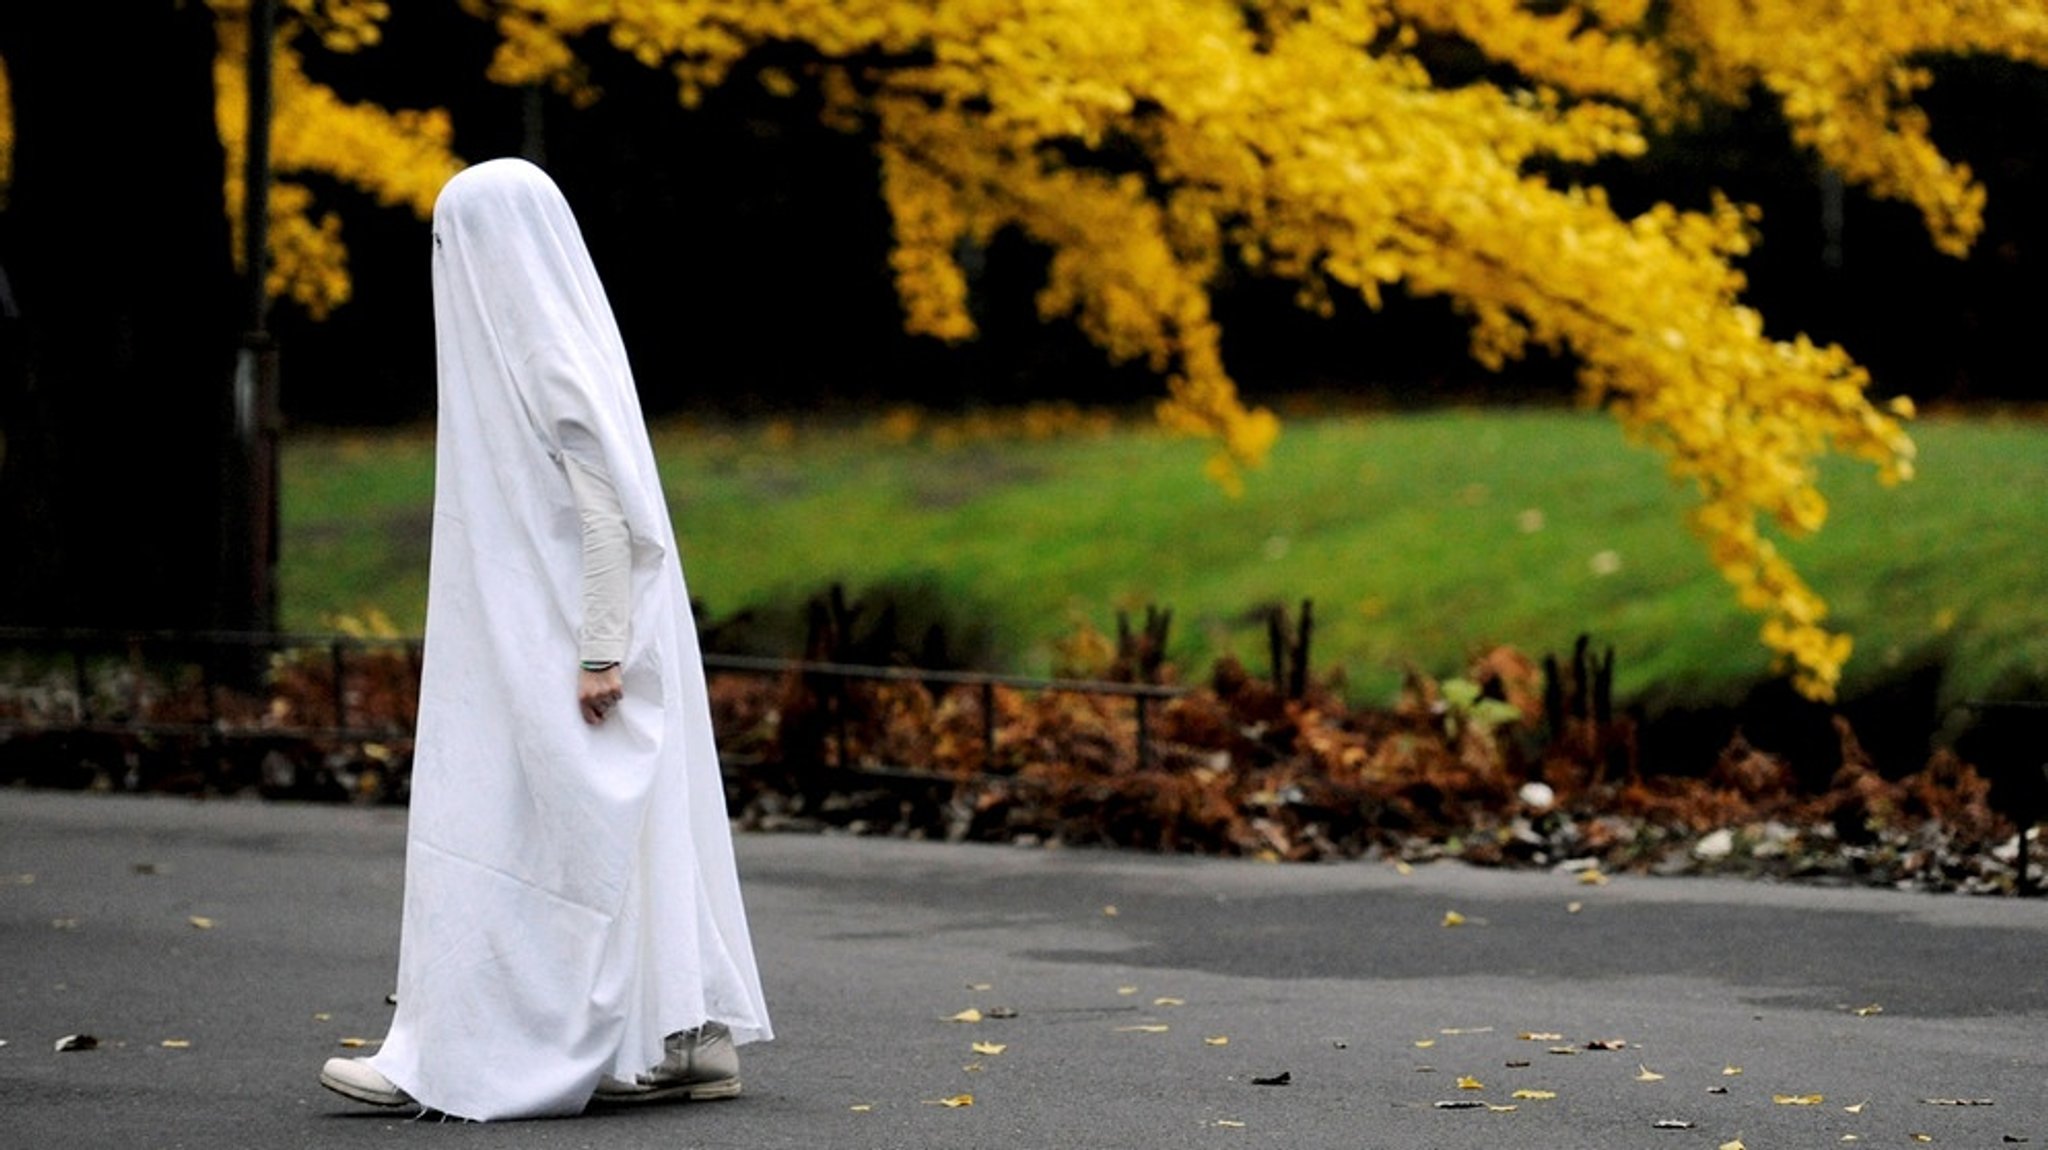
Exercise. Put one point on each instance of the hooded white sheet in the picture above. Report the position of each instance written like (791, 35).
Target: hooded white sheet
(570, 894)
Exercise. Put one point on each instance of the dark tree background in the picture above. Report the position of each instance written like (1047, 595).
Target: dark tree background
(119, 332)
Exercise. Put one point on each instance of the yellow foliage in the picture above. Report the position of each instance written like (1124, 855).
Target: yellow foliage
(399, 157)
(1147, 144)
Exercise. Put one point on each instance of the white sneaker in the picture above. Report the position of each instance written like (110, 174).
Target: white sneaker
(702, 1064)
(357, 1079)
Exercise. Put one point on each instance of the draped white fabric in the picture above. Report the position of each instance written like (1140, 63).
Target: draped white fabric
(570, 890)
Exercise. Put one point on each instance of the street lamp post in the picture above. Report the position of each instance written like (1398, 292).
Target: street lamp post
(249, 586)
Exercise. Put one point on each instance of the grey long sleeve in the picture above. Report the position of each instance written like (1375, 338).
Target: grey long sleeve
(607, 563)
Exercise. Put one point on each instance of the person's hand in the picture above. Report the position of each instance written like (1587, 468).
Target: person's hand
(597, 692)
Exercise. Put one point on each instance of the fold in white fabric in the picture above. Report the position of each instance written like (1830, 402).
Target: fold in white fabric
(570, 893)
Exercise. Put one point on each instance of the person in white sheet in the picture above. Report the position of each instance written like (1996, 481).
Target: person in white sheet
(573, 929)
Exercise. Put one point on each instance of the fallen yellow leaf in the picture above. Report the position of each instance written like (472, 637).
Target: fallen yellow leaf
(1466, 1030)
(1499, 1109)
(981, 986)
(1534, 1095)
(1233, 1123)
(200, 922)
(1645, 1074)
(1923, 1137)
(177, 1044)
(861, 1107)
(323, 1016)
(1148, 1028)
(1730, 1071)
(1127, 990)
(1169, 1002)
(990, 1047)
(1425, 1043)
(1453, 918)
(973, 1068)
(1109, 911)
(1574, 907)
(1402, 868)
(354, 1043)
(1467, 1082)
(1217, 1040)
(1592, 878)
(953, 1103)
(1797, 1099)
(1732, 1144)
(1539, 1036)
(1867, 1011)
(968, 1015)
(1858, 1108)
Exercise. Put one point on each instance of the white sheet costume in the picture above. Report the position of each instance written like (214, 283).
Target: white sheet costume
(570, 894)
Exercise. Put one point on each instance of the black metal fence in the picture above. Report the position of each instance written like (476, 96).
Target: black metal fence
(222, 687)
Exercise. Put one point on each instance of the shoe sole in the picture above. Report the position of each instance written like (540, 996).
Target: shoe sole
(356, 1094)
(694, 1092)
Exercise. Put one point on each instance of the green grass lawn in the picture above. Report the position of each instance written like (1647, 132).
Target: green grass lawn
(1420, 537)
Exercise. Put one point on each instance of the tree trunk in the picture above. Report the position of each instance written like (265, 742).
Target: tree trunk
(115, 364)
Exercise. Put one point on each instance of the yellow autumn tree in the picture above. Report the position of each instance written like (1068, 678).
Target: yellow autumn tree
(1149, 144)
(399, 157)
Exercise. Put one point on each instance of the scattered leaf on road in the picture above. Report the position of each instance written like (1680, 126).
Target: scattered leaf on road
(1232, 1123)
(1002, 1012)
(72, 1042)
(1467, 1082)
(1424, 1043)
(354, 1043)
(1453, 918)
(861, 1107)
(1645, 1074)
(1461, 1104)
(1671, 1124)
(1730, 1071)
(1592, 878)
(1169, 1002)
(1127, 990)
(200, 922)
(1797, 1099)
(1957, 1101)
(1732, 1144)
(1867, 1011)
(1539, 1036)
(1281, 1079)
(176, 1044)
(953, 1103)
(1516, 1064)
(1574, 907)
(968, 1015)
(1535, 1095)
(1466, 1030)
(1217, 1040)
(1147, 1028)
(1109, 911)
(1509, 1108)
(980, 986)
(990, 1047)
(1608, 1044)
(1858, 1108)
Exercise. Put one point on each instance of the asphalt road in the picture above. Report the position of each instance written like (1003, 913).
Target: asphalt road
(1144, 1025)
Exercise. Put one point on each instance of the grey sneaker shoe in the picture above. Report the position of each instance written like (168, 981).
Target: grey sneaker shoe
(355, 1078)
(702, 1064)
